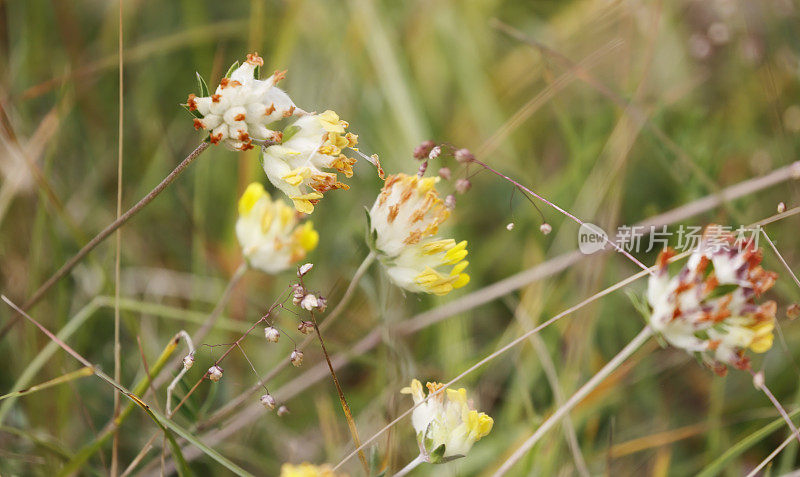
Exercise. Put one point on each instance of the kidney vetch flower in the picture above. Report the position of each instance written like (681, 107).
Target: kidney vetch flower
(270, 232)
(242, 107)
(311, 145)
(446, 426)
(403, 222)
(709, 306)
(307, 470)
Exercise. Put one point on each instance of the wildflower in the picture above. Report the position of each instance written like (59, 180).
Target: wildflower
(272, 334)
(306, 470)
(242, 107)
(311, 145)
(446, 426)
(215, 373)
(403, 222)
(691, 312)
(296, 358)
(188, 362)
(268, 401)
(270, 232)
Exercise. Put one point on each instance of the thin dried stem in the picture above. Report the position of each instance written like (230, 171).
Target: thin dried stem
(758, 381)
(780, 258)
(104, 234)
(576, 398)
(189, 344)
(117, 254)
(351, 423)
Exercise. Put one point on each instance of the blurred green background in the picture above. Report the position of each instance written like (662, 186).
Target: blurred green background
(711, 89)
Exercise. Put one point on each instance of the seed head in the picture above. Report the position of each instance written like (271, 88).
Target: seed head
(305, 327)
(188, 362)
(305, 268)
(781, 208)
(272, 334)
(545, 228)
(268, 401)
(215, 373)
(423, 150)
(296, 358)
(283, 410)
(435, 152)
(510, 226)
(463, 185)
(309, 302)
(444, 173)
(464, 156)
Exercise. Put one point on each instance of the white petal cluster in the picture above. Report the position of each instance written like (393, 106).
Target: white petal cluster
(243, 107)
(300, 166)
(270, 232)
(403, 222)
(446, 420)
(690, 311)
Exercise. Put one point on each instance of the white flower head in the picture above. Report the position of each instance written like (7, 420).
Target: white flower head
(312, 146)
(403, 223)
(691, 312)
(270, 232)
(242, 107)
(309, 302)
(268, 401)
(446, 426)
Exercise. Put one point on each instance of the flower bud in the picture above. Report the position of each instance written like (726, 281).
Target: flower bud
(422, 168)
(188, 362)
(545, 228)
(296, 358)
(272, 334)
(444, 173)
(510, 226)
(758, 380)
(309, 302)
(298, 293)
(268, 401)
(450, 202)
(305, 268)
(283, 410)
(422, 151)
(305, 327)
(464, 156)
(215, 373)
(781, 208)
(463, 185)
(435, 152)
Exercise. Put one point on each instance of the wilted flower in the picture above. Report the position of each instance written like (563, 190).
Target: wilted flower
(242, 107)
(306, 470)
(311, 145)
(272, 334)
(304, 268)
(270, 232)
(188, 361)
(296, 358)
(446, 426)
(268, 401)
(691, 311)
(403, 222)
(215, 373)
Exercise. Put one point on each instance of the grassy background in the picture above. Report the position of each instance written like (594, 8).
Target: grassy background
(399, 72)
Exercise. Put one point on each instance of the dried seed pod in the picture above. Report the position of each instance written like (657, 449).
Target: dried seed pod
(272, 334)
(188, 361)
(296, 358)
(268, 401)
(215, 373)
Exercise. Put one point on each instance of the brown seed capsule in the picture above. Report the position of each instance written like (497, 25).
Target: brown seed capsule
(215, 373)
(305, 268)
(464, 156)
(793, 311)
(296, 358)
(781, 208)
(463, 185)
(305, 327)
(268, 401)
(188, 361)
(421, 152)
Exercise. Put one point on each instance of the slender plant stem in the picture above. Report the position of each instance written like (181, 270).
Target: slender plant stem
(562, 211)
(411, 466)
(328, 320)
(345, 407)
(117, 255)
(780, 257)
(758, 380)
(104, 234)
(576, 398)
